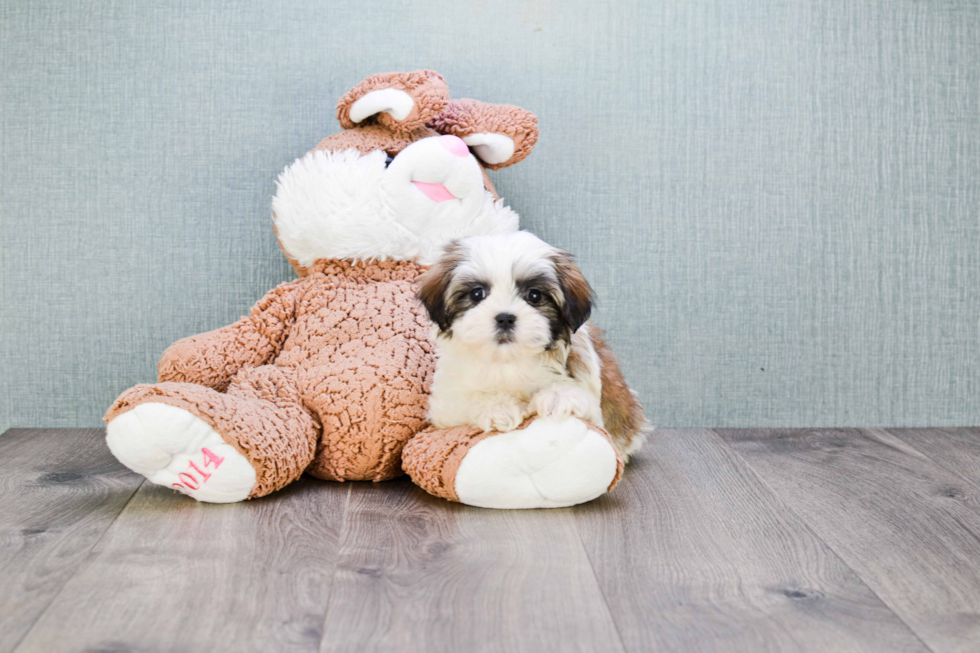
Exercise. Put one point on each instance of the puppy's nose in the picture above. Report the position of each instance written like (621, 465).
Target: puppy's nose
(454, 144)
(505, 321)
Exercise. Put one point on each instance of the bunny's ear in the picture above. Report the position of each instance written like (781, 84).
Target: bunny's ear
(401, 102)
(500, 135)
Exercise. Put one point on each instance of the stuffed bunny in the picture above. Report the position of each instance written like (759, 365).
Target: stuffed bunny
(328, 374)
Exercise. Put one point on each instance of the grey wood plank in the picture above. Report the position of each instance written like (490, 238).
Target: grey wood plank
(694, 553)
(420, 574)
(60, 489)
(172, 574)
(956, 449)
(900, 520)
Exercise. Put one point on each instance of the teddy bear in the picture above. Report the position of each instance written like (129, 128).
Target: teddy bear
(328, 374)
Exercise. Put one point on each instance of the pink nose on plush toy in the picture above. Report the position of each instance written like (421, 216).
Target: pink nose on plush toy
(454, 144)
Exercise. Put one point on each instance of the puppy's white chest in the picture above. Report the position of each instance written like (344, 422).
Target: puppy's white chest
(516, 378)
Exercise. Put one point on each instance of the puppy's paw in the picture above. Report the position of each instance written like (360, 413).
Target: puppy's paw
(504, 416)
(561, 402)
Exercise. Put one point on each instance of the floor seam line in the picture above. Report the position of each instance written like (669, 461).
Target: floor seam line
(598, 585)
(336, 565)
(969, 481)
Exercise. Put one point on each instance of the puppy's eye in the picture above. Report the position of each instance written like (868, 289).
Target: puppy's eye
(477, 295)
(388, 161)
(534, 297)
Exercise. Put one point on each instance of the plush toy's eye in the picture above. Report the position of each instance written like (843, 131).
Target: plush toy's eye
(477, 295)
(534, 297)
(389, 160)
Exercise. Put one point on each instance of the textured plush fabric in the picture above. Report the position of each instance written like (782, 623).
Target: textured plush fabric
(261, 415)
(428, 90)
(776, 200)
(466, 117)
(432, 113)
(327, 374)
(432, 458)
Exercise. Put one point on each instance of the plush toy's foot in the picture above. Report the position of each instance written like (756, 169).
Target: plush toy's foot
(173, 448)
(216, 446)
(544, 463)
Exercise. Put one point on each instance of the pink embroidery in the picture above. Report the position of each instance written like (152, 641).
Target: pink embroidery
(190, 481)
(200, 471)
(210, 457)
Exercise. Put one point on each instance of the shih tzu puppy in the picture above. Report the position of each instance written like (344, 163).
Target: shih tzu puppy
(513, 340)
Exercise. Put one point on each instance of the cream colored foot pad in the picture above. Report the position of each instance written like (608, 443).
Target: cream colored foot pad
(549, 464)
(176, 449)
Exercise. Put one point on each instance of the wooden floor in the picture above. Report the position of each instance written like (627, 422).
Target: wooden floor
(852, 540)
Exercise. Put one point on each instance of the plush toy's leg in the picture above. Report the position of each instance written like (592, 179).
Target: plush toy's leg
(544, 463)
(216, 447)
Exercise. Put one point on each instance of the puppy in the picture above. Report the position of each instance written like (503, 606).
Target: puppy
(512, 340)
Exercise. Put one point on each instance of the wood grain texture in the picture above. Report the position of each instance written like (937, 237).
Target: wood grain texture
(956, 449)
(175, 575)
(59, 492)
(900, 520)
(830, 540)
(419, 574)
(693, 553)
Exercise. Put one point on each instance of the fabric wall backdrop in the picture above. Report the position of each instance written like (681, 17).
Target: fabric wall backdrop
(778, 201)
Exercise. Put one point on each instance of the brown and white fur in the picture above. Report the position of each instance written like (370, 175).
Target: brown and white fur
(513, 340)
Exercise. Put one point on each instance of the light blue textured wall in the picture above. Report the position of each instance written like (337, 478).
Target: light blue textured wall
(778, 201)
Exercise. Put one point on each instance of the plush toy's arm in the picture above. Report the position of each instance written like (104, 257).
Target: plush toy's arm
(213, 358)
(499, 134)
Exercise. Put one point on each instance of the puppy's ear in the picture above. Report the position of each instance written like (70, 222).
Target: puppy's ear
(577, 306)
(431, 285)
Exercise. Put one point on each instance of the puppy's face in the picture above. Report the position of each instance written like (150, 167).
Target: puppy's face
(506, 295)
